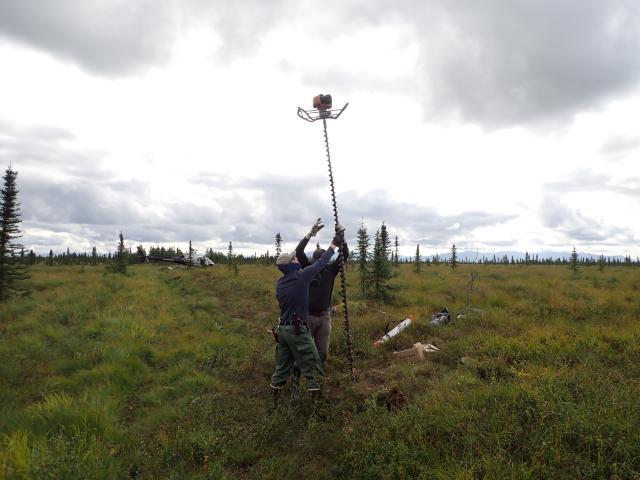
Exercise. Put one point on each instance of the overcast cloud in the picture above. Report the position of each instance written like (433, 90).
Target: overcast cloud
(587, 181)
(501, 63)
(119, 37)
(580, 227)
(489, 124)
(256, 210)
(495, 63)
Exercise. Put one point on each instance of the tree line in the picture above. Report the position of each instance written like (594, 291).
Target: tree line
(374, 260)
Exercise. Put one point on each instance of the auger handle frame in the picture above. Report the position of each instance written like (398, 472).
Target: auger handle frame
(314, 115)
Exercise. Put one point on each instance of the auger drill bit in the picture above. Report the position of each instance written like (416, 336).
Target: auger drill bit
(340, 260)
(323, 110)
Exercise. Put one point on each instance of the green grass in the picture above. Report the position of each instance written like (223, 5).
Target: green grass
(164, 374)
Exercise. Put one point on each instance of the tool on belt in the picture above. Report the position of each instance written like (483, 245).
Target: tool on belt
(323, 110)
(274, 332)
(296, 324)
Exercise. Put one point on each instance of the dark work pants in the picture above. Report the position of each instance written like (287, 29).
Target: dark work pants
(301, 350)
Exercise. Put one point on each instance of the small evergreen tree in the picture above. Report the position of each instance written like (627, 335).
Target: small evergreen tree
(363, 257)
(454, 257)
(380, 266)
(50, 261)
(190, 256)
(141, 254)
(396, 256)
(278, 244)
(12, 270)
(417, 262)
(574, 261)
(94, 256)
(121, 260)
(601, 263)
(231, 260)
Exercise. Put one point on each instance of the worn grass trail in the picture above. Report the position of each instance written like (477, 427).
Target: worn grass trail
(164, 373)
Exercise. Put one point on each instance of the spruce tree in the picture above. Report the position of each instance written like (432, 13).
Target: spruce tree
(601, 263)
(417, 260)
(231, 260)
(190, 256)
(363, 257)
(574, 261)
(278, 244)
(454, 257)
(380, 266)
(140, 252)
(12, 270)
(376, 264)
(385, 240)
(396, 259)
(121, 260)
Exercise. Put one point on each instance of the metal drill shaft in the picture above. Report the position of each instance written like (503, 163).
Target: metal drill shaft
(340, 260)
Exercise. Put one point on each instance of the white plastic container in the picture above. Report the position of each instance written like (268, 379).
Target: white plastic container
(395, 331)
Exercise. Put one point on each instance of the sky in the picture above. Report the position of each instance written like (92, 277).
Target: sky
(496, 125)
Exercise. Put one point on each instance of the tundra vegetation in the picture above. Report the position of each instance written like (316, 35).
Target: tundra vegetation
(163, 373)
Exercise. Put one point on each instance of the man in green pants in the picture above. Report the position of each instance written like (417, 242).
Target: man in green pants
(295, 344)
(320, 291)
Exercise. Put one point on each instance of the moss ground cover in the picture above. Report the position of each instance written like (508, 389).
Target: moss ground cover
(164, 373)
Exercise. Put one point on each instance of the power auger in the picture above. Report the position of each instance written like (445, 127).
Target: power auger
(323, 110)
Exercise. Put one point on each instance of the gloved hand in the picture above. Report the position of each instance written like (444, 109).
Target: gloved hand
(338, 239)
(315, 228)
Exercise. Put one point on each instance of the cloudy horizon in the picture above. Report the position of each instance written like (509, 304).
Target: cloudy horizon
(501, 126)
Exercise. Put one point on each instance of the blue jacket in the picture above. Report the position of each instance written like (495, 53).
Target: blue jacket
(321, 288)
(292, 289)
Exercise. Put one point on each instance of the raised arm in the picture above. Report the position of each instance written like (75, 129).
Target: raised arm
(316, 267)
(300, 255)
(311, 271)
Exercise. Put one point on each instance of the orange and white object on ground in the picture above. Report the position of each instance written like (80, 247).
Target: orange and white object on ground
(395, 331)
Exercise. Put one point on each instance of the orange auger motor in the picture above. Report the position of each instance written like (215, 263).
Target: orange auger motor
(322, 111)
(322, 102)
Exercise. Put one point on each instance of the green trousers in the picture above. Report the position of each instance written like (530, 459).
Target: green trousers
(300, 349)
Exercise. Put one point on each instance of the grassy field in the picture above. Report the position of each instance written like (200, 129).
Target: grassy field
(164, 374)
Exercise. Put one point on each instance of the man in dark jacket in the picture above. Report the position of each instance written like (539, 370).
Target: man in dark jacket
(320, 290)
(295, 344)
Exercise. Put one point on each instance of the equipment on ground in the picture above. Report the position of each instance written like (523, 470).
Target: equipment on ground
(201, 260)
(417, 352)
(395, 331)
(323, 110)
(441, 318)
